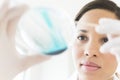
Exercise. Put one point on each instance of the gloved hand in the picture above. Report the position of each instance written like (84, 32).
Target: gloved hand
(11, 62)
(112, 29)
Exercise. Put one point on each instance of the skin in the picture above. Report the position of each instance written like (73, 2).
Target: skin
(86, 46)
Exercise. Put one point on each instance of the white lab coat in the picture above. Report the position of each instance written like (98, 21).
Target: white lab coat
(75, 77)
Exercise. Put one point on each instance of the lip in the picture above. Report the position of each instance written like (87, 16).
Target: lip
(90, 66)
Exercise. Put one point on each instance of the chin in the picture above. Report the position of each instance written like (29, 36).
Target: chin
(89, 76)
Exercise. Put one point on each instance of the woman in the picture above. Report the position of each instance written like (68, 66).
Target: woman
(90, 62)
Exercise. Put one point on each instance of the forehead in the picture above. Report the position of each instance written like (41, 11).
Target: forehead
(94, 15)
(90, 19)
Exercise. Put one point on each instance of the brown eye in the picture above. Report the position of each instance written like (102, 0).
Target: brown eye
(82, 38)
(104, 40)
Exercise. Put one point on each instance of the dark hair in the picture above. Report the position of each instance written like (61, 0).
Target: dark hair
(99, 4)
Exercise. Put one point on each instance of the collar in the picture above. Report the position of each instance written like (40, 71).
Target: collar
(75, 77)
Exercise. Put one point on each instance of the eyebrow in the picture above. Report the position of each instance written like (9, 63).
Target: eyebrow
(84, 31)
(89, 24)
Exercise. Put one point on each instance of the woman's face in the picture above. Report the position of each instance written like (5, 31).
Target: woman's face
(91, 64)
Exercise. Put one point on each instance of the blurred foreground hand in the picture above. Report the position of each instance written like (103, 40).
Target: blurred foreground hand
(11, 62)
(111, 28)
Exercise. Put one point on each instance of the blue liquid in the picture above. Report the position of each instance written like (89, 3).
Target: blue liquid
(56, 43)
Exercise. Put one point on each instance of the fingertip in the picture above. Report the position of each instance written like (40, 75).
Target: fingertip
(103, 50)
(115, 51)
(109, 22)
(99, 29)
(105, 20)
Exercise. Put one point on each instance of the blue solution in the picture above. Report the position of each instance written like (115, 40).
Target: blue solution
(58, 40)
(56, 43)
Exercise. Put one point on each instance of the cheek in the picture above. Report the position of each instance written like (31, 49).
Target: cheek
(110, 63)
(77, 54)
(110, 59)
(77, 51)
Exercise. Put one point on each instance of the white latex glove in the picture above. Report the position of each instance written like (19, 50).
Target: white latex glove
(112, 29)
(11, 62)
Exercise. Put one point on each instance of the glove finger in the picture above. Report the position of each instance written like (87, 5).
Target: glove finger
(13, 18)
(108, 26)
(111, 44)
(4, 9)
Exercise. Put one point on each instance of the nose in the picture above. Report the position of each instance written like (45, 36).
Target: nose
(92, 50)
(90, 54)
